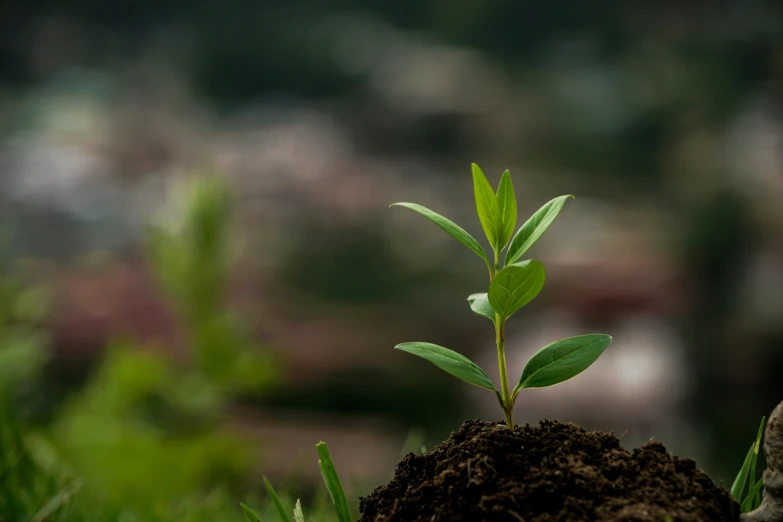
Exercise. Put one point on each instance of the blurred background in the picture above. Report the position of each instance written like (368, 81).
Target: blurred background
(200, 277)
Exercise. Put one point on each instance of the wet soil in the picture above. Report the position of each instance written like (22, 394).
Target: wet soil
(553, 472)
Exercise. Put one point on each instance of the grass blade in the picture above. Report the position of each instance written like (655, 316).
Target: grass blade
(752, 483)
(757, 494)
(281, 510)
(250, 514)
(59, 500)
(742, 476)
(749, 504)
(333, 484)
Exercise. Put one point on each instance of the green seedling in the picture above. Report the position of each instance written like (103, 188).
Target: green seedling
(512, 286)
(747, 476)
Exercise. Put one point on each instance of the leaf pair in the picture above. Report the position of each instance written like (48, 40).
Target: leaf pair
(497, 212)
(553, 364)
(498, 216)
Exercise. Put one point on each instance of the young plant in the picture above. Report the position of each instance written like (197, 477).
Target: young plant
(512, 285)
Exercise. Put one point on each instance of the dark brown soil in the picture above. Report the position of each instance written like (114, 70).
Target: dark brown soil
(555, 473)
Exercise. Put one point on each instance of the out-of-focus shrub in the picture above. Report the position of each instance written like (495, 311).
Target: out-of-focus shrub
(146, 429)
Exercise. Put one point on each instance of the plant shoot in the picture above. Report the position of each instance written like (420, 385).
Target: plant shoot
(512, 285)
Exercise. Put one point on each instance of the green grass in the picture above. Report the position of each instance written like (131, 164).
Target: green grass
(36, 486)
(746, 489)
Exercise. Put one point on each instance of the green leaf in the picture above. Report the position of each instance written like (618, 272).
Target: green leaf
(298, 515)
(479, 303)
(282, 512)
(534, 228)
(451, 228)
(515, 286)
(752, 476)
(333, 484)
(742, 476)
(756, 495)
(487, 207)
(749, 503)
(747, 474)
(507, 202)
(561, 360)
(250, 514)
(449, 361)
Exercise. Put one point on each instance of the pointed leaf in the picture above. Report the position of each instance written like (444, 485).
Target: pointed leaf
(534, 228)
(298, 515)
(561, 360)
(250, 514)
(507, 202)
(479, 303)
(449, 361)
(515, 286)
(487, 207)
(333, 484)
(282, 512)
(752, 476)
(450, 227)
(756, 494)
(742, 476)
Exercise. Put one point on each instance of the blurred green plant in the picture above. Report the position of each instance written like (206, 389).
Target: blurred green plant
(28, 489)
(512, 286)
(23, 310)
(191, 255)
(147, 429)
(143, 431)
(36, 486)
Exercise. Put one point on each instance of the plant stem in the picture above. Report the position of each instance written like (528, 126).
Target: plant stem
(508, 405)
(506, 402)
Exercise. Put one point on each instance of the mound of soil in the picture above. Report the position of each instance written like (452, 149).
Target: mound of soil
(554, 472)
